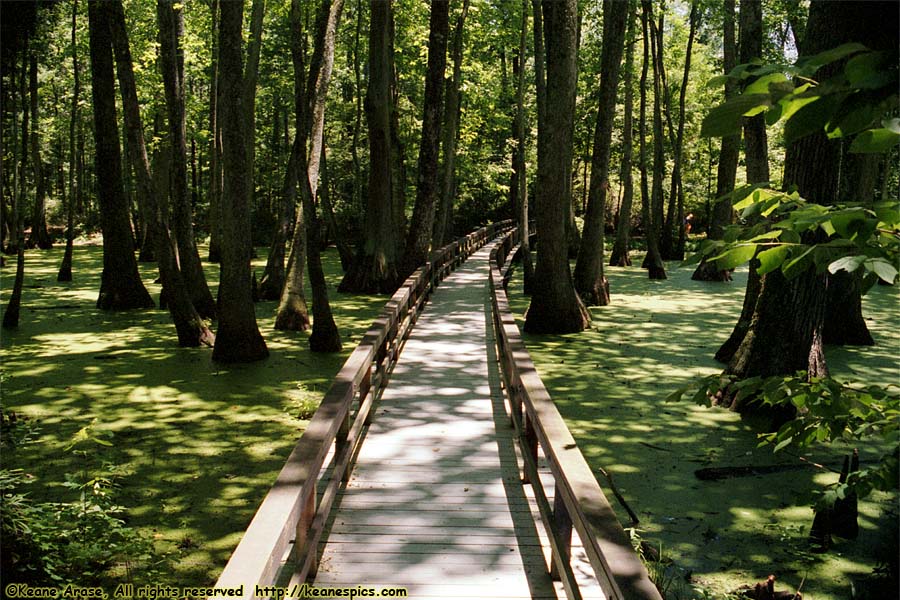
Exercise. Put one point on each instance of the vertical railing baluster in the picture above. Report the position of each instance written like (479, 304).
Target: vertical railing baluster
(562, 524)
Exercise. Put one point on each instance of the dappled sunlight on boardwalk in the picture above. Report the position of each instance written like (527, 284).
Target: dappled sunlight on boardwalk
(435, 503)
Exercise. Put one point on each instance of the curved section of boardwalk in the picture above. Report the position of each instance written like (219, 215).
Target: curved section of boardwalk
(435, 503)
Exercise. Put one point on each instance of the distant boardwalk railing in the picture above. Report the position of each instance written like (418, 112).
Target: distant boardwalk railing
(578, 500)
(280, 544)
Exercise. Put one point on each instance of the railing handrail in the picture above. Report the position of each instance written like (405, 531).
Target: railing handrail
(579, 501)
(291, 517)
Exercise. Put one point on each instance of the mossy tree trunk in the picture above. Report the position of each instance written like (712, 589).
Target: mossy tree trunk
(555, 306)
(590, 280)
(238, 338)
(121, 287)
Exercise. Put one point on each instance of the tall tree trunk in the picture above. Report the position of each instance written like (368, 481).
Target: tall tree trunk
(39, 237)
(519, 166)
(677, 186)
(325, 336)
(619, 256)
(251, 76)
(555, 306)
(652, 225)
(189, 326)
(121, 287)
(358, 175)
(375, 268)
(590, 281)
(785, 332)
(418, 241)
(344, 250)
(272, 282)
(14, 305)
(442, 230)
(171, 29)
(215, 145)
(238, 338)
(65, 269)
(721, 214)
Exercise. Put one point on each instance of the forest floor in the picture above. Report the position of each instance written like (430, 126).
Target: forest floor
(195, 445)
(610, 384)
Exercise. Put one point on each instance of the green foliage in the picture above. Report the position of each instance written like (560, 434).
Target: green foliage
(67, 542)
(776, 228)
(827, 411)
(854, 100)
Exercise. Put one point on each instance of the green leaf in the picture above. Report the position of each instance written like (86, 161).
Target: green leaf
(869, 71)
(881, 267)
(725, 120)
(771, 259)
(875, 141)
(797, 265)
(832, 55)
(845, 222)
(735, 256)
(783, 443)
(847, 263)
(810, 118)
(762, 85)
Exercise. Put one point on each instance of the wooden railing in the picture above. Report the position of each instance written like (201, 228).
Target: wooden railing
(578, 501)
(284, 534)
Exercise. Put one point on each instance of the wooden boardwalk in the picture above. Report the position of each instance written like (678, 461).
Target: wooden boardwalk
(435, 503)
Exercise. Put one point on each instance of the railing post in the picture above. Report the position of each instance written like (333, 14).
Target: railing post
(364, 389)
(562, 524)
(304, 524)
(531, 444)
(341, 442)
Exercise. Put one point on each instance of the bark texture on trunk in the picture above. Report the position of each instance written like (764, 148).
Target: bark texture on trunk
(238, 338)
(786, 330)
(375, 269)
(39, 237)
(721, 214)
(189, 326)
(442, 233)
(14, 305)
(272, 282)
(121, 287)
(590, 281)
(652, 212)
(619, 256)
(418, 241)
(519, 166)
(555, 306)
(65, 268)
(171, 31)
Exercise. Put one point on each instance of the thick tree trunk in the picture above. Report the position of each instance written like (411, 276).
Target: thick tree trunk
(121, 287)
(238, 338)
(171, 29)
(786, 329)
(325, 336)
(677, 185)
(555, 306)
(65, 268)
(653, 215)
(590, 281)
(619, 256)
(375, 268)
(358, 175)
(190, 327)
(344, 251)
(756, 147)
(442, 230)
(721, 214)
(39, 237)
(418, 241)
